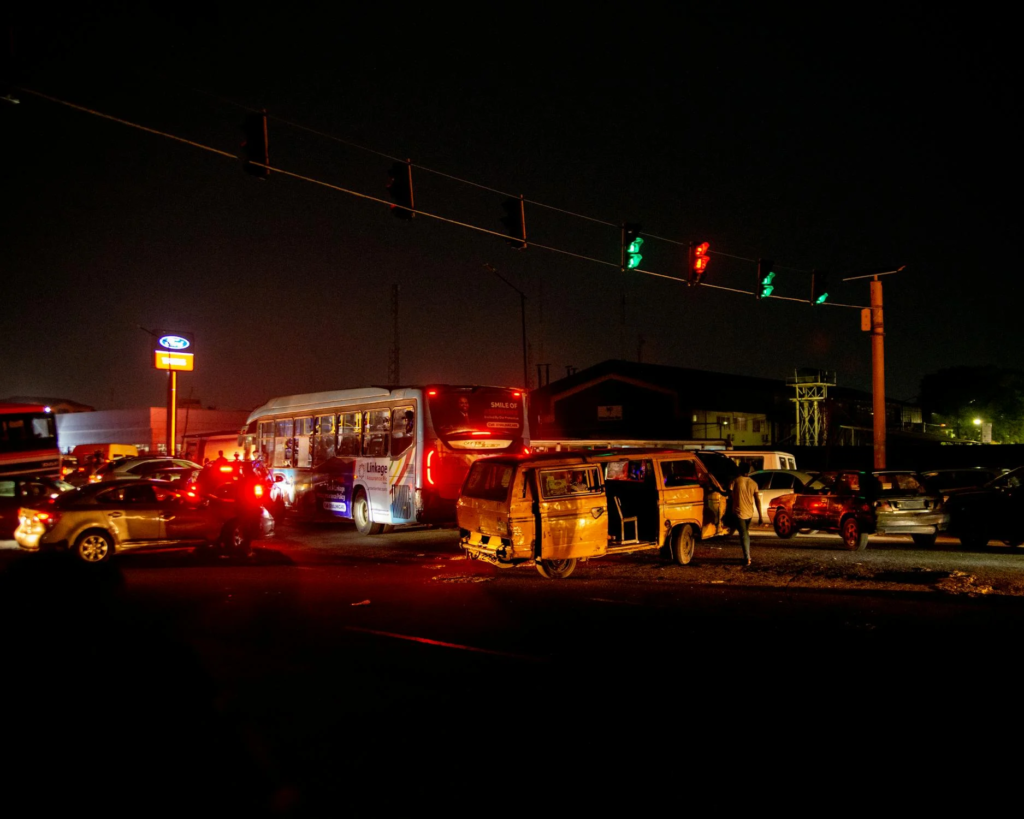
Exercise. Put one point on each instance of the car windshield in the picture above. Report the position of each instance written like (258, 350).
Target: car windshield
(1010, 479)
(900, 483)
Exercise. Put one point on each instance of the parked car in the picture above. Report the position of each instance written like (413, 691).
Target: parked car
(858, 504)
(20, 490)
(98, 520)
(943, 480)
(773, 483)
(994, 511)
(141, 466)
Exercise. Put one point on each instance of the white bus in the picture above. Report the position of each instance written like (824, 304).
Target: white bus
(381, 456)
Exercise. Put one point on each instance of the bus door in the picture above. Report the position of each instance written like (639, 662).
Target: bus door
(572, 512)
(402, 477)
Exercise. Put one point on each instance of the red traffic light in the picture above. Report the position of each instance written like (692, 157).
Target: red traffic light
(698, 261)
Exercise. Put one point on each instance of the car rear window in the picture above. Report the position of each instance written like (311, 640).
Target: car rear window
(489, 481)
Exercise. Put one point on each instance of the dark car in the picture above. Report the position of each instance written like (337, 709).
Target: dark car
(22, 490)
(955, 479)
(139, 466)
(252, 473)
(97, 520)
(857, 504)
(994, 511)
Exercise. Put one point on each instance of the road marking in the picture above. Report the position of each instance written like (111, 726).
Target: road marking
(442, 644)
(617, 602)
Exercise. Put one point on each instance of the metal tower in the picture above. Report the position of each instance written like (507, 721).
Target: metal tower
(811, 391)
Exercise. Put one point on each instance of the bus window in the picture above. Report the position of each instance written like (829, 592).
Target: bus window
(403, 427)
(283, 443)
(267, 443)
(323, 439)
(349, 429)
(302, 455)
(377, 432)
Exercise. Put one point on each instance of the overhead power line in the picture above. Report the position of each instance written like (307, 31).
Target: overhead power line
(435, 216)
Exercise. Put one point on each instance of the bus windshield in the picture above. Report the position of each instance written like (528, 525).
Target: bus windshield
(23, 432)
(28, 440)
(477, 417)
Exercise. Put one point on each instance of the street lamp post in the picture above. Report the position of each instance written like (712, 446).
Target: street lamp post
(522, 314)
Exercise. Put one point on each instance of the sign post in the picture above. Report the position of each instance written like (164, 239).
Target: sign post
(172, 352)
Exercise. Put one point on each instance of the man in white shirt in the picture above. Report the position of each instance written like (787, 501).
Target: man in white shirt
(744, 500)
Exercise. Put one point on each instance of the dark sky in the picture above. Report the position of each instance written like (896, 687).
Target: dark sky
(835, 143)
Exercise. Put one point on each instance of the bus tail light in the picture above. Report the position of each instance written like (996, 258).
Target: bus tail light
(430, 466)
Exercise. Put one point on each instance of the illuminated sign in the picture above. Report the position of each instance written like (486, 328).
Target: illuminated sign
(173, 361)
(169, 350)
(174, 342)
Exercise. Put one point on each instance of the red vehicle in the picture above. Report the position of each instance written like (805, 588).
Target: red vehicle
(28, 440)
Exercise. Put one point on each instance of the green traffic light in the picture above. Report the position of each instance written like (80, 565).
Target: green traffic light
(822, 298)
(766, 286)
(633, 253)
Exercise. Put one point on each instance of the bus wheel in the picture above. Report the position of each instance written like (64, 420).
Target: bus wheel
(682, 544)
(361, 515)
(556, 569)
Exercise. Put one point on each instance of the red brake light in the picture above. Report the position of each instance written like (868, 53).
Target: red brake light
(430, 458)
(257, 490)
(227, 469)
(431, 392)
(516, 394)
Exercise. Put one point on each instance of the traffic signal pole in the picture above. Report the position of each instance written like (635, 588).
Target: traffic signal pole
(878, 371)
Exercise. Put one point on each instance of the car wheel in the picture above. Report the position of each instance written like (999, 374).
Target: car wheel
(361, 516)
(94, 547)
(784, 527)
(682, 544)
(924, 541)
(854, 539)
(556, 569)
(974, 542)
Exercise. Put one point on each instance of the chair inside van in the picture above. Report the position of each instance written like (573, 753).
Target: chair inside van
(633, 500)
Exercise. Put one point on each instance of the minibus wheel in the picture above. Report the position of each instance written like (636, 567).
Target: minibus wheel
(556, 569)
(682, 544)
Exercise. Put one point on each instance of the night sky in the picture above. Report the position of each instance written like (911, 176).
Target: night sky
(822, 142)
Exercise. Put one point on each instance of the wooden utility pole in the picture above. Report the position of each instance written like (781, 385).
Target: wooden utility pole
(878, 371)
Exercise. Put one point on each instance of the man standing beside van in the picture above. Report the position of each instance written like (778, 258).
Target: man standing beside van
(744, 501)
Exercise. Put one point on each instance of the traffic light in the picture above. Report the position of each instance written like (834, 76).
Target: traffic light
(514, 221)
(631, 244)
(255, 148)
(698, 261)
(765, 277)
(819, 287)
(400, 189)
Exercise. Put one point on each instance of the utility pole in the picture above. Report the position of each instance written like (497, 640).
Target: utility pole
(878, 371)
(522, 313)
(871, 322)
(394, 374)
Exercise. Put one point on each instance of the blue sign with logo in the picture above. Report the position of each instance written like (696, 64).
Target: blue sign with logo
(174, 342)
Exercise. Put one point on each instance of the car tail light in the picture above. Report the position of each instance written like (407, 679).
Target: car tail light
(257, 490)
(47, 519)
(227, 469)
(95, 478)
(430, 462)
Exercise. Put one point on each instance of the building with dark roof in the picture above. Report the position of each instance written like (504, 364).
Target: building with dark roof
(626, 399)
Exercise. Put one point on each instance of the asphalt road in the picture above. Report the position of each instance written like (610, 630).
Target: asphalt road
(308, 677)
